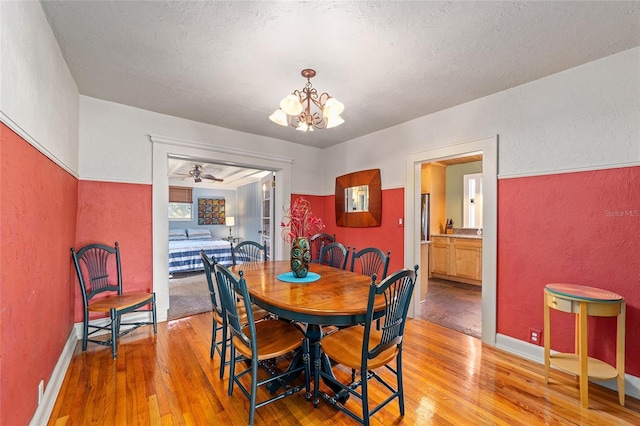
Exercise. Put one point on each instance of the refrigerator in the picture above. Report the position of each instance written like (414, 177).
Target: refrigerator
(424, 217)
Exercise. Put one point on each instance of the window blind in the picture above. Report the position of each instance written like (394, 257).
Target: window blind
(180, 194)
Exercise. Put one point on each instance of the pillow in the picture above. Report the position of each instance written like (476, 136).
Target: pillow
(177, 235)
(199, 234)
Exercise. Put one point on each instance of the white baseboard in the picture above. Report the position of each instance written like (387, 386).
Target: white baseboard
(52, 388)
(536, 354)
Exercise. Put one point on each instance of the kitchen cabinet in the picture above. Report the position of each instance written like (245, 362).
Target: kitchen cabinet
(457, 259)
(440, 255)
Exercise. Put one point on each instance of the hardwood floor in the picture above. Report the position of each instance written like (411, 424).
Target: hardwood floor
(450, 379)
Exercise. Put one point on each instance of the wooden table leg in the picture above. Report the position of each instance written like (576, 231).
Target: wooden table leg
(620, 342)
(583, 356)
(576, 344)
(547, 339)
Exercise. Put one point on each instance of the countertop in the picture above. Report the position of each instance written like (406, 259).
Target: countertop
(470, 236)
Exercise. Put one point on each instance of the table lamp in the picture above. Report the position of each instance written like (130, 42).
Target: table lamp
(230, 221)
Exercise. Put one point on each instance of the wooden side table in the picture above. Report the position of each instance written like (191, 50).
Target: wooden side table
(584, 301)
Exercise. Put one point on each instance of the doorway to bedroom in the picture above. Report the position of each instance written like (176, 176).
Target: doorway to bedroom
(165, 148)
(212, 206)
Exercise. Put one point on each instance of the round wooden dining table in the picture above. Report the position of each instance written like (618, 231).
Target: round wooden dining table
(337, 297)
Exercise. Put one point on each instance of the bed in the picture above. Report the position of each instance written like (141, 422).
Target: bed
(185, 246)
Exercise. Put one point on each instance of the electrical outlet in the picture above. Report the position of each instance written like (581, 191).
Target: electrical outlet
(400, 221)
(40, 391)
(535, 336)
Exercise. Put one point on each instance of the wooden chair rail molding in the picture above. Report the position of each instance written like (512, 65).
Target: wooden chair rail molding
(359, 219)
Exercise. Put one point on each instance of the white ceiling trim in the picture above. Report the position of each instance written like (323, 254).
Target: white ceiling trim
(167, 140)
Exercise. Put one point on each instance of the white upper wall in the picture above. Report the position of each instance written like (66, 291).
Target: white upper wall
(115, 144)
(38, 96)
(587, 117)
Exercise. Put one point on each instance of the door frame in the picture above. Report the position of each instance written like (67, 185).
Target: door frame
(163, 148)
(267, 180)
(489, 148)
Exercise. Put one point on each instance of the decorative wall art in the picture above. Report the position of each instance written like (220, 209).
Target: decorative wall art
(210, 211)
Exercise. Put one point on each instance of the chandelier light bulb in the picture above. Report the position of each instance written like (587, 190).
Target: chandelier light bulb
(291, 105)
(279, 117)
(332, 108)
(334, 121)
(304, 127)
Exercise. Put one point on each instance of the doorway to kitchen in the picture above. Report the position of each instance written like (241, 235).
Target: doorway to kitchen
(451, 248)
(488, 148)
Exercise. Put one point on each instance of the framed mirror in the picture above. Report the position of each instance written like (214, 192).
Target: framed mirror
(359, 199)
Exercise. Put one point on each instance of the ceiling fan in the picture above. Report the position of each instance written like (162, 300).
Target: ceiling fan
(198, 174)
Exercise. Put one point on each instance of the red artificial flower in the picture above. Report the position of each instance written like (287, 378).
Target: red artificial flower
(299, 221)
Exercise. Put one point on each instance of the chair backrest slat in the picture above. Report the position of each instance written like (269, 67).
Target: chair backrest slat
(96, 270)
(335, 255)
(317, 241)
(230, 287)
(397, 290)
(209, 270)
(248, 251)
(371, 261)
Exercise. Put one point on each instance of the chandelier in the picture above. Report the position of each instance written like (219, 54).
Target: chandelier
(295, 109)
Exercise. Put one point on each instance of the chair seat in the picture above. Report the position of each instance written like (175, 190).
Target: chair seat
(274, 338)
(119, 302)
(345, 347)
(258, 313)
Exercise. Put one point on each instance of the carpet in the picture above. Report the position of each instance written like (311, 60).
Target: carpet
(188, 295)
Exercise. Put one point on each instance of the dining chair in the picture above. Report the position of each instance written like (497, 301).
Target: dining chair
(366, 349)
(219, 322)
(316, 243)
(258, 343)
(335, 255)
(248, 251)
(99, 271)
(371, 261)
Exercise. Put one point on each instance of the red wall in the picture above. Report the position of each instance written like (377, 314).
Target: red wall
(578, 227)
(110, 212)
(388, 236)
(581, 228)
(38, 205)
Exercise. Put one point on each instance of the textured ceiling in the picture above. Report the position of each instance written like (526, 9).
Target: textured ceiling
(230, 63)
